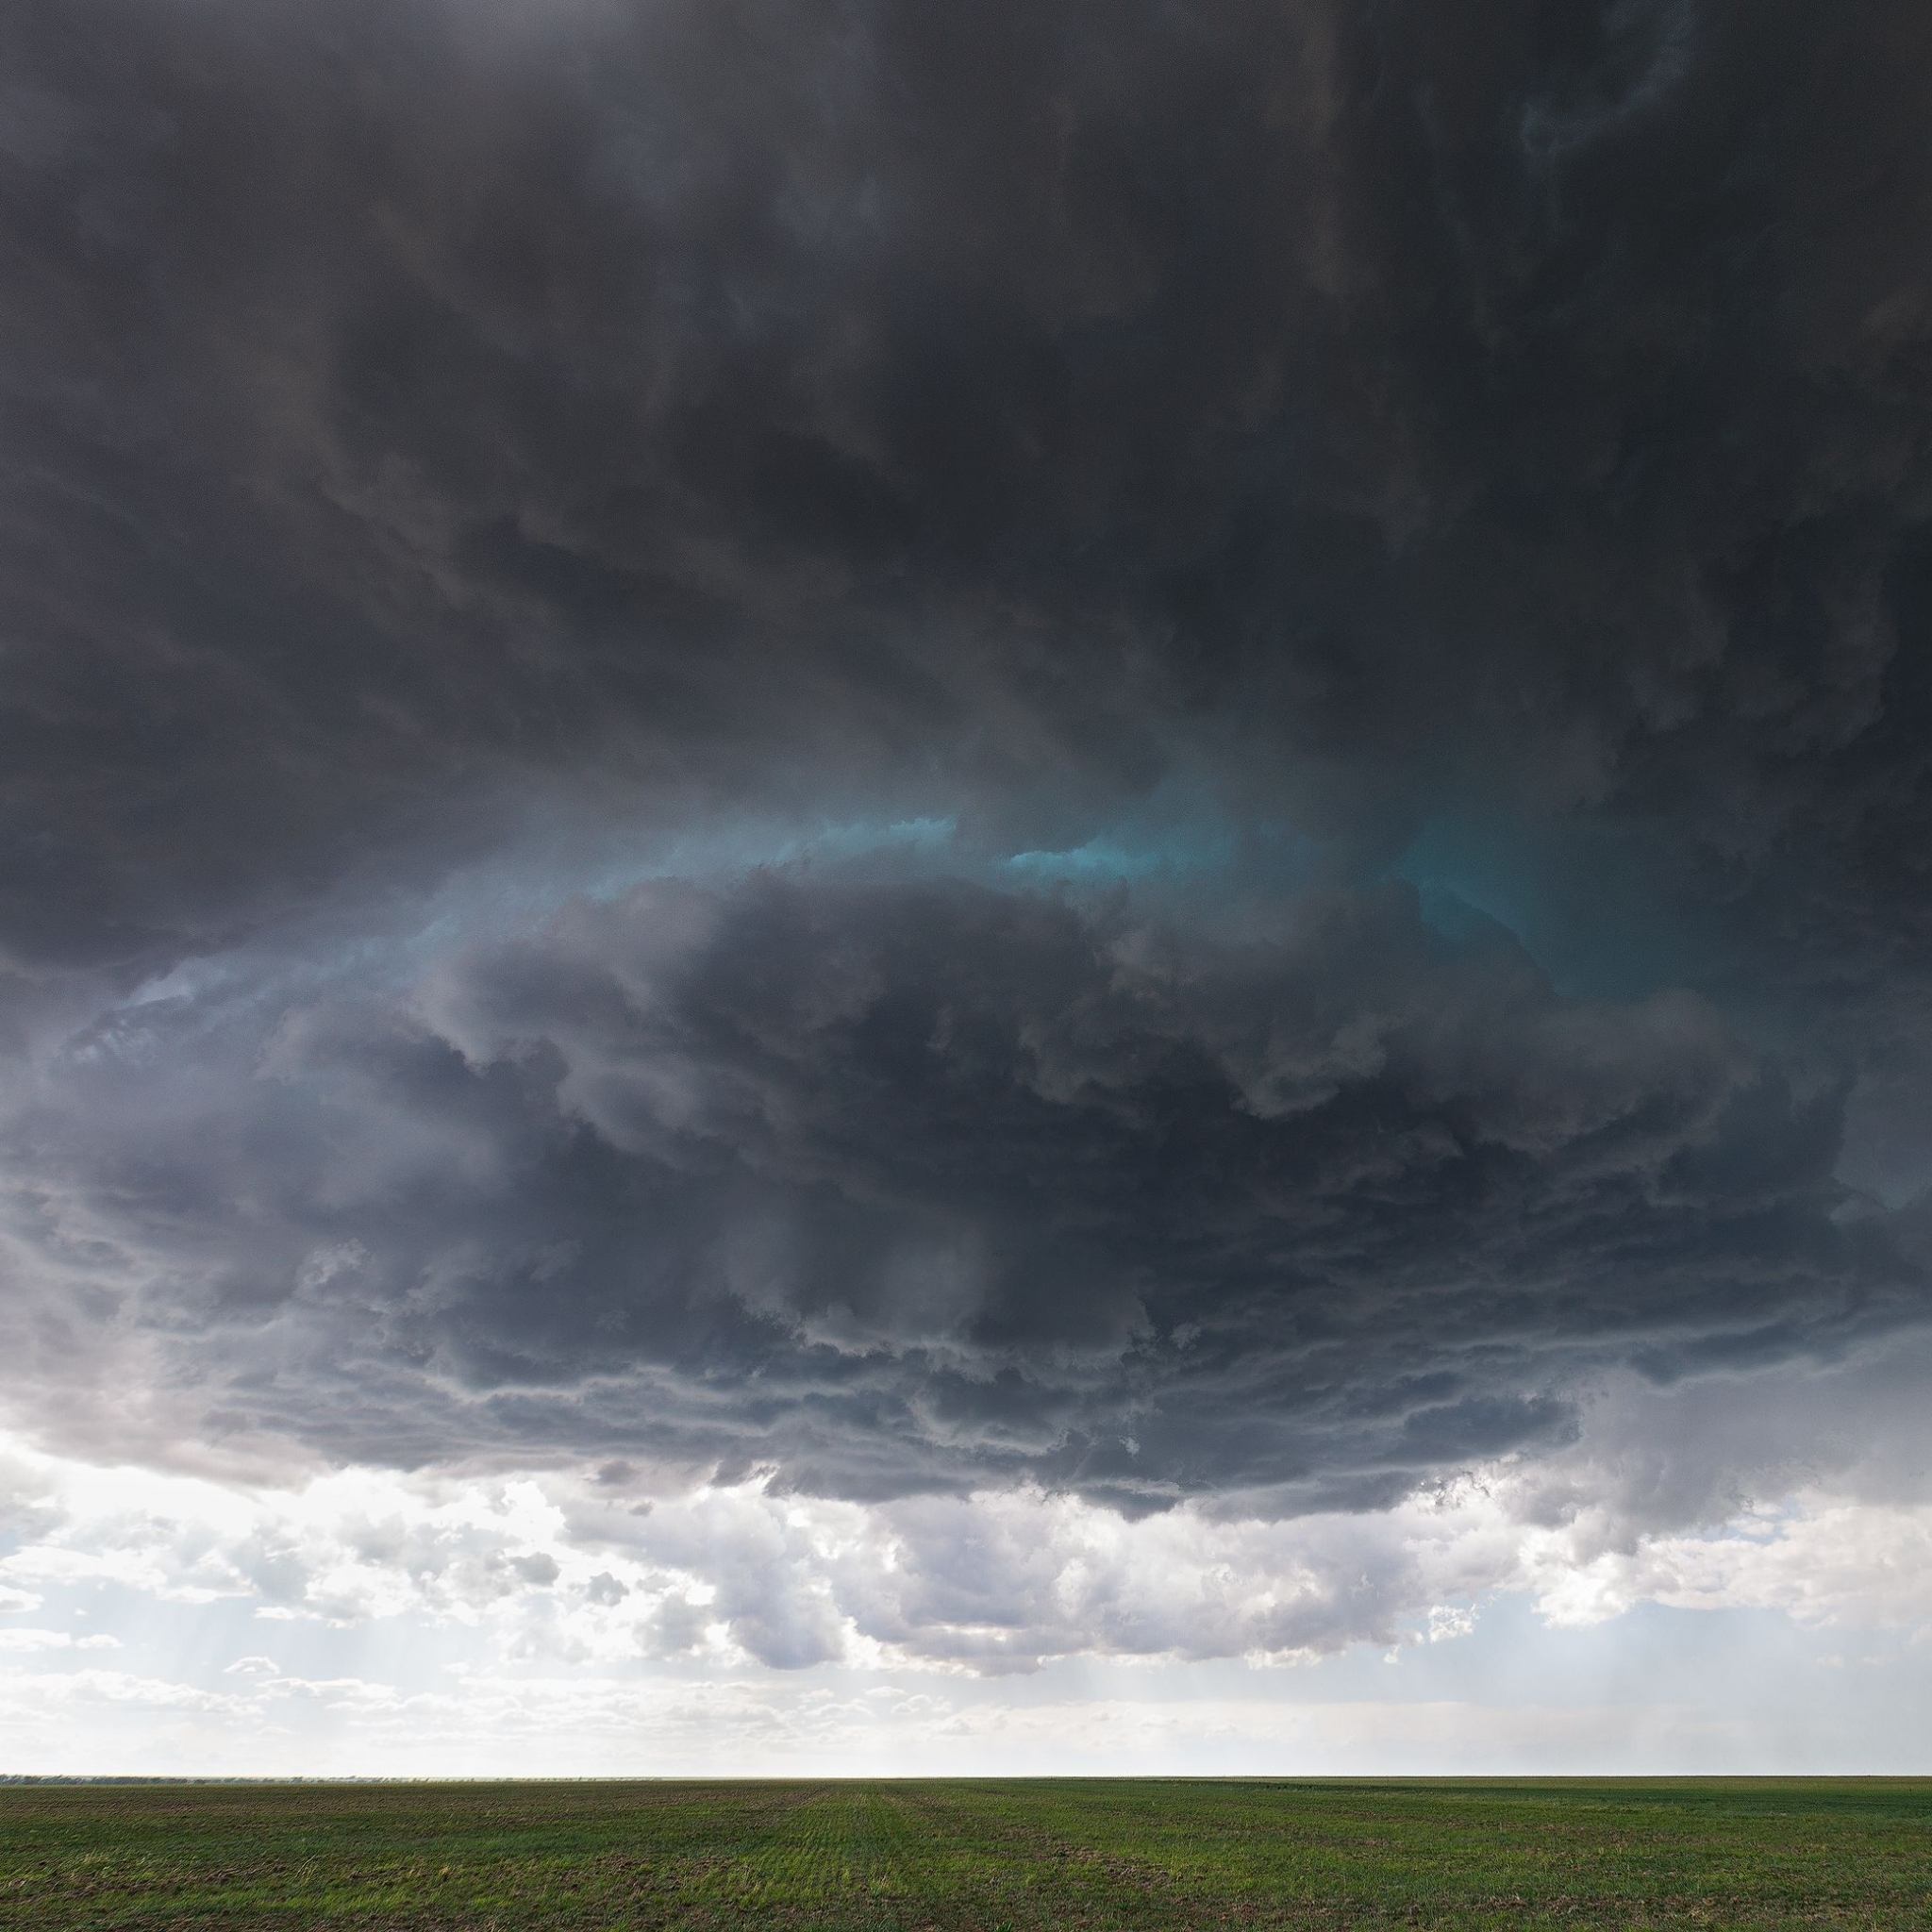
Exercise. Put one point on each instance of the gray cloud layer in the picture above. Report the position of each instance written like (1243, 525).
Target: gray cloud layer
(451, 451)
(900, 1186)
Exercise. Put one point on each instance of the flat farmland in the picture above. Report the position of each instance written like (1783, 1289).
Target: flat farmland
(980, 1854)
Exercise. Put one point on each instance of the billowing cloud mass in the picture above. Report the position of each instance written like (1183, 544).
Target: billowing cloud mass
(1026, 832)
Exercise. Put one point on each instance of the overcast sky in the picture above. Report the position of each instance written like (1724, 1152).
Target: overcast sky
(1001, 886)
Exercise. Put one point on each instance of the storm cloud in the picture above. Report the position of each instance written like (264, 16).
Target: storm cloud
(1153, 755)
(1355, 414)
(890, 1186)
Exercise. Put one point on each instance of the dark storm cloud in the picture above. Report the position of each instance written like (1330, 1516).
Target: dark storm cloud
(896, 1187)
(1360, 409)
(479, 443)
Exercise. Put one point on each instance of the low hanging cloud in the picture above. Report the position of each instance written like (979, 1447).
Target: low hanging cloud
(919, 1186)
(1665, 1498)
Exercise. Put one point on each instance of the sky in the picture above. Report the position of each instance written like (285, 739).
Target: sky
(1040, 887)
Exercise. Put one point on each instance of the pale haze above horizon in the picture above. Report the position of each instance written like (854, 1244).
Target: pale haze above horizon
(992, 889)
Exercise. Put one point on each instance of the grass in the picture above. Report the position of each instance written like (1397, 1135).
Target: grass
(981, 1854)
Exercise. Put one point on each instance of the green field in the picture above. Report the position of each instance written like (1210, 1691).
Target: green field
(971, 1854)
